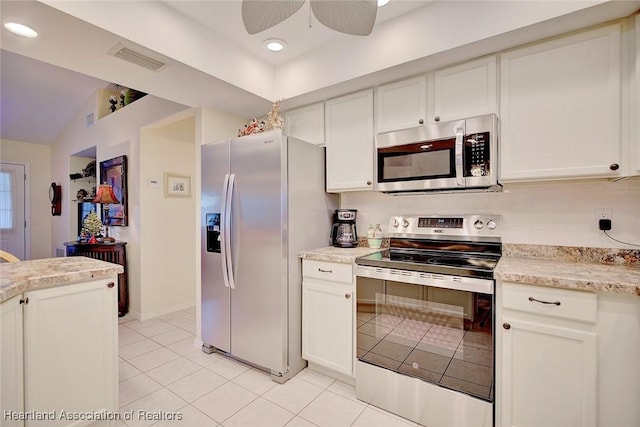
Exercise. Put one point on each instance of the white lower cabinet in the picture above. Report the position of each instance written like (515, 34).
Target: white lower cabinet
(11, 362)
(547, 358)
(70, 361)
(327, 315)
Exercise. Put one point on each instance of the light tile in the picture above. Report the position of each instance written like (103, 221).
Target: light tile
(293, 395)
(261, 413)
(204, 359)
(137, 348)
(299, 422)
(173, 370)
(159, 402)
(190, 417)
(228, 368)
(224, 401)
(197, 384)
(189, 328)
(136, 387)
(372, 417)
(153, 359)
(331, 410)
(184, 346)
(172, 315)
(190, 310)
(256, 381)
(126, 370)
(315, 378)
(184, 320)
(172, 336)
(128, 336)
(344, 390)
(137, 324)
(155, 329)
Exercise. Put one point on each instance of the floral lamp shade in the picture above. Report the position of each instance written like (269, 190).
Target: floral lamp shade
(105, 195)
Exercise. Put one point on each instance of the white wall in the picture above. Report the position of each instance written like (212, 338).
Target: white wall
(166, 223)
(545, 213)
(38, 159)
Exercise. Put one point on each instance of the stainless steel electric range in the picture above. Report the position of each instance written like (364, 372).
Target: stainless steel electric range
(425, 320)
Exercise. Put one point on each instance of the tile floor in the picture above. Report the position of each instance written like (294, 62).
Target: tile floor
(163, 374)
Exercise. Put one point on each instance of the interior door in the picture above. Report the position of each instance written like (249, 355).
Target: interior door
(214, 291)
(258, 302)
(12, 209)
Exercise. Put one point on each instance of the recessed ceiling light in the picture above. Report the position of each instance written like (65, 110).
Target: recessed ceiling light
(274, 45)
(383, 2)
(21, 30)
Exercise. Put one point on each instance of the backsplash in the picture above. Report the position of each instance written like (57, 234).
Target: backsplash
(561, 213)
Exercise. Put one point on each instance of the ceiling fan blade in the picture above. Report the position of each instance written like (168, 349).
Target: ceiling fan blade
(351, 16)
(258, 15)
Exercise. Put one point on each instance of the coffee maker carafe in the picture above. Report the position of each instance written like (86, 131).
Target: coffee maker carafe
(343, 231)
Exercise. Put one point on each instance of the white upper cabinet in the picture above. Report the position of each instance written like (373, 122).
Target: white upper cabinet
(306, 123)
(401, 105)
(349, 142)
(560, 108)
(465, 90)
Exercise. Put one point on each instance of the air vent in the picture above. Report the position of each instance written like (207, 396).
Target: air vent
(137, 58)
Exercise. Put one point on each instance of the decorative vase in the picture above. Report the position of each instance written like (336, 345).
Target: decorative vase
(374, 236)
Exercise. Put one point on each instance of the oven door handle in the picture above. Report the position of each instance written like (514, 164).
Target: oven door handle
(458, 153)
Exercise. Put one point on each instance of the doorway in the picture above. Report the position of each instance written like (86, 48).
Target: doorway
(14, 205)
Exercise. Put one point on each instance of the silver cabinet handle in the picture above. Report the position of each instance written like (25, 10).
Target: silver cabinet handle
(325, 271)
(532, 299)
(347, 296)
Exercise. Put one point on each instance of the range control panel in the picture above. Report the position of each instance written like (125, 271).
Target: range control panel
(444, 225)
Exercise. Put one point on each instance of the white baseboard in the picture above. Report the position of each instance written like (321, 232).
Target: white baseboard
(166, 310)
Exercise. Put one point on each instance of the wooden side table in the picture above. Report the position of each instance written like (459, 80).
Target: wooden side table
(114, 252)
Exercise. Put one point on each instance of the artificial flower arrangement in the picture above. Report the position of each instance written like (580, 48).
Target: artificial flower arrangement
(273, 120)
(92, 224)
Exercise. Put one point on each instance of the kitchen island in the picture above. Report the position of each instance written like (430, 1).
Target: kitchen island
(58, 327)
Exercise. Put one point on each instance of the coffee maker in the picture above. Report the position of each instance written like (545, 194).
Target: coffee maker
(343, 231)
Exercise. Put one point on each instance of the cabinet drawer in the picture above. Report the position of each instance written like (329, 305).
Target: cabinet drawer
(332, 271)
(566, 304)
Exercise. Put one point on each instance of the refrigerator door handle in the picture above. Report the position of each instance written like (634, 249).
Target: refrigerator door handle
(223, 234)
(232, 180)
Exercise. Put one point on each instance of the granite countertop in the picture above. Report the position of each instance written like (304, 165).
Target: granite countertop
(18, 277)
(340, 255)
(584, 269)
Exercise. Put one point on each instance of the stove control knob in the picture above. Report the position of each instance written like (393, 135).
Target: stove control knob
(478, 224)
(491, 224)
(405, 223)
(395, 223)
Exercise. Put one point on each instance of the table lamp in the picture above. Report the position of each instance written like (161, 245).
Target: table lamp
(106, 197)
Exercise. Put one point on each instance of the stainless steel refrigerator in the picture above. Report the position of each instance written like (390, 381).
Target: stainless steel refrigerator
(263, 200)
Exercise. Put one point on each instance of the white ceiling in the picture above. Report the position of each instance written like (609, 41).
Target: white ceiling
(213, 62)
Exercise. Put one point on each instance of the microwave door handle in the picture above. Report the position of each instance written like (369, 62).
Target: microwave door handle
(458, 153)
(223, 231)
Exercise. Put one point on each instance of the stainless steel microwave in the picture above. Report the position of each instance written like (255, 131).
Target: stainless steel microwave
(456, 155)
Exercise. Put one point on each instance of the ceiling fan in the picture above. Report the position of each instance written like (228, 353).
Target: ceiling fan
(354, 17)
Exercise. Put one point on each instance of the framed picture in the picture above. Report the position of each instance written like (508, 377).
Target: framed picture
(114, 173)
(177, 185)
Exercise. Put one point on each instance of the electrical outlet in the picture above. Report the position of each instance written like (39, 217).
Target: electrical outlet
(603, 213)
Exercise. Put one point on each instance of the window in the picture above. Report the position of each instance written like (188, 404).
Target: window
(7, 201)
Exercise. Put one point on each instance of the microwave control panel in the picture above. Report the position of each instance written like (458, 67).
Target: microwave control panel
(477, 154)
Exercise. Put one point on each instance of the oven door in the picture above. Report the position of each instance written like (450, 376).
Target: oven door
(422, 158)
(436, 328)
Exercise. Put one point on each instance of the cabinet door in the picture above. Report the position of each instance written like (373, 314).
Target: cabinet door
(306, 123)
(71, 352)
(548, 375)
(560, 108)
(327, 324)
(466, 90)
(11, 386)
(349, 142)
(401, 105)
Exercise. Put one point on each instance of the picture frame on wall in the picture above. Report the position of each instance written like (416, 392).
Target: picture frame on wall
(177, 185)
(114, 173)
